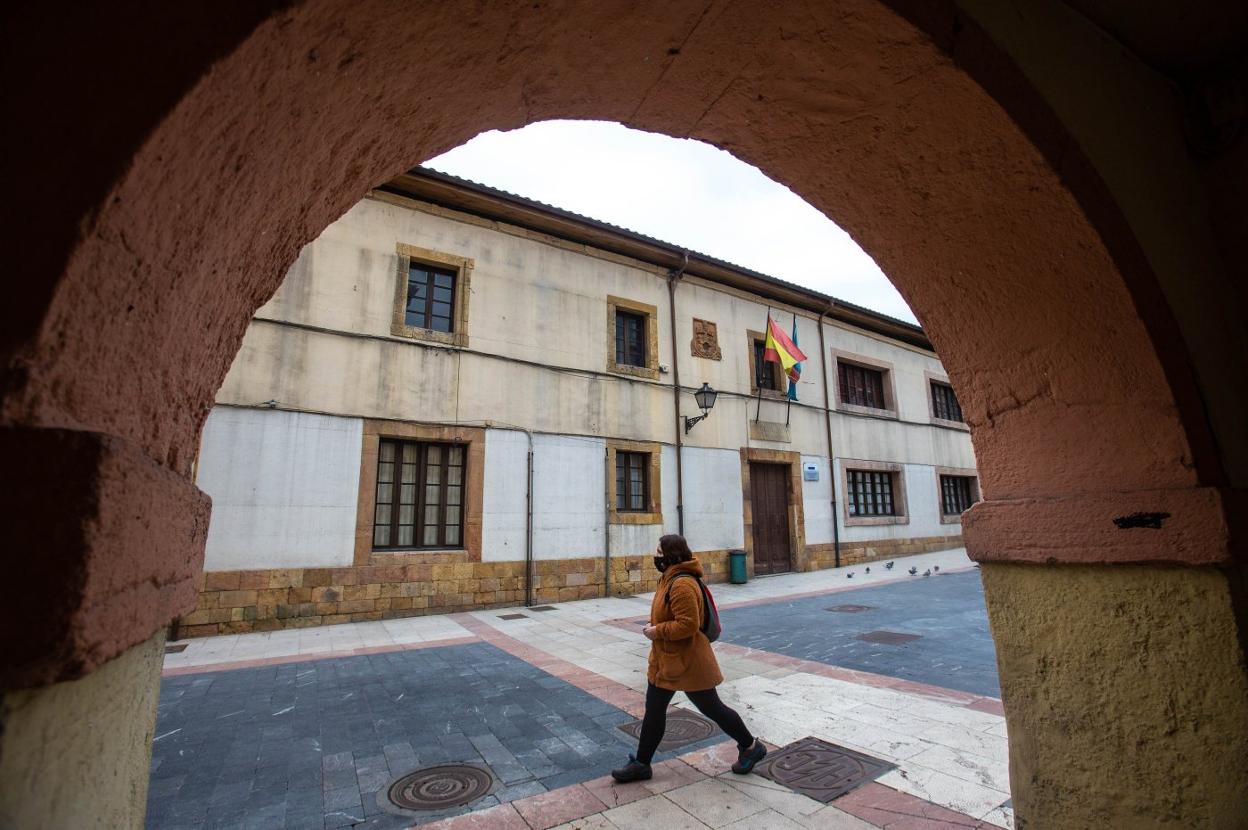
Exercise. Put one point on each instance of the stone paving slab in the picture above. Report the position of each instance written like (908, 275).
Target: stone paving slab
(946, 611)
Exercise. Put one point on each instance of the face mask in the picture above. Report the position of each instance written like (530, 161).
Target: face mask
(660, 564)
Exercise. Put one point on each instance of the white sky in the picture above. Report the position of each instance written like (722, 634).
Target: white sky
(680, 191)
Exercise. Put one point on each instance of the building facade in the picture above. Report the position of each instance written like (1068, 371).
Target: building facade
(462, 399)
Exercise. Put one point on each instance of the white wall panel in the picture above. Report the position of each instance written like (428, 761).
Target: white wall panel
(568, 497)
(504, 499)
(817, 502)
(284, 488)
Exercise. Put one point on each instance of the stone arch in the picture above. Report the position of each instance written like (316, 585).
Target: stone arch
(903, 122)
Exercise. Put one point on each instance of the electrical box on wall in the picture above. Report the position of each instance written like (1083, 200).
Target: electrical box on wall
(810, 472)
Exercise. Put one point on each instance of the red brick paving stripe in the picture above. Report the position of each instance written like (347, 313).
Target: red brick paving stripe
(894, 810)
(502, 817)
(603, 688)
(558, 806)
(988, 704)
(312, 656)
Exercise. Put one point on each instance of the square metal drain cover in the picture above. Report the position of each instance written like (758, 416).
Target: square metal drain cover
(891, 638)
(543, 608)
(512, 617)
(682, 728)
(850, 609)
(821, 770)
(176, 649)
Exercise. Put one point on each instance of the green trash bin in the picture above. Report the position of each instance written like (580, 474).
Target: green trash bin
(736, 567)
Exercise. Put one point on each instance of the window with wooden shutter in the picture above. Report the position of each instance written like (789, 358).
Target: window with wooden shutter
(861, 386)
(957, 494)
(945, 403)
(630, 338)
(632, 482)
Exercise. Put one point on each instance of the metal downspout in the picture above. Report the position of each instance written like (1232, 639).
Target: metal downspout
(528, 528)
(606, 520)
(827, 424)
(672, 276)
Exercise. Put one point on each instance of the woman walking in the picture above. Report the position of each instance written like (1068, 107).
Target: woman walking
(681, 660)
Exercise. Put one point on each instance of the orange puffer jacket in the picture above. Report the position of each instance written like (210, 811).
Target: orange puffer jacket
(681, 658)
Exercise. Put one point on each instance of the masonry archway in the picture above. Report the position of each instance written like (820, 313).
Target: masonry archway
(916, 131)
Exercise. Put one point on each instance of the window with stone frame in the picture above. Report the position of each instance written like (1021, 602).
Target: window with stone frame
(767, 374)
(945, 404)
(430, 297)
(420, 495)
(632, 482)
(630, 338)
(871, 493)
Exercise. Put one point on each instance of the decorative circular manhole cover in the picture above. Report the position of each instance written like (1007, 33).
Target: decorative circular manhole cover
(440, 788)
(682, 728)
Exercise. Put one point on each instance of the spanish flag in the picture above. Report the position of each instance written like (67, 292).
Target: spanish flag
(778, 348)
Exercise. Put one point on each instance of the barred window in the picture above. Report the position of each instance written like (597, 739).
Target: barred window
(870, 493)
(860, 386)
(944, 403)
(420, 495)
(632, 482)
(630, 338)
(957, 494)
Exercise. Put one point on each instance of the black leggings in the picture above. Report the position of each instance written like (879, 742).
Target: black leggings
(707, 702)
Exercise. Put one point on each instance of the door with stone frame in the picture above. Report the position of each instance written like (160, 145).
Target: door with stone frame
(769, 511)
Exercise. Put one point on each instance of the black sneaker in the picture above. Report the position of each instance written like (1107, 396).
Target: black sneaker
(634, 770)
(748, 758)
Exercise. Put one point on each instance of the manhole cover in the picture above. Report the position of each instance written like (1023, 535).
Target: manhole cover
(682, 728)
(821, 770)
(512, 617)
(175, 649)
(542, 608)
(891, 638)
(439, 788)
(850, 609)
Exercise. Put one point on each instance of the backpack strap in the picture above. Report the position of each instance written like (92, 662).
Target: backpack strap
(701, 593)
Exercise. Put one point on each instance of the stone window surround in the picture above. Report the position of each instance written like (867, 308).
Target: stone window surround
(772, 394)
(462, 266)
(651, 313)
(653, 516)
(890, 393)
(474, 490)
(929, 378)
(900, 505)
(797, 512)
(966, 472)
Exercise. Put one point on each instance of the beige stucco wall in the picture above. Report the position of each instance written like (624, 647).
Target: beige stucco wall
(76, 754)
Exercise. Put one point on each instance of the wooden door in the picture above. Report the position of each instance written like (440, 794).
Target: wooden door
(769, 506)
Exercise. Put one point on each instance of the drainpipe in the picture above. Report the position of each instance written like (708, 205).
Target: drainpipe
(827, 424)
(528, 528)
(606, 520)
(672, 276)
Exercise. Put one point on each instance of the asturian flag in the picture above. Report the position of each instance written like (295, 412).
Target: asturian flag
(778, 348)
(796, 371)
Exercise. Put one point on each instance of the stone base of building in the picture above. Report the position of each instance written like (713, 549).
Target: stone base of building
(236, 602)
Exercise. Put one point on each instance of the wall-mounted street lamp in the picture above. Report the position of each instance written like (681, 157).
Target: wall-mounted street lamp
(706, 401)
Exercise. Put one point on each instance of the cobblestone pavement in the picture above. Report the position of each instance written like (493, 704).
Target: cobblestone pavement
(491, 691)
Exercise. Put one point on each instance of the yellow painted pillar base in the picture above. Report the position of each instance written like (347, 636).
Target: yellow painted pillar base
(77, 754)
(1125, 693)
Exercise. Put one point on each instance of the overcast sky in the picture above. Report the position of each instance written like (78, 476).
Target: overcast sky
(680, 191)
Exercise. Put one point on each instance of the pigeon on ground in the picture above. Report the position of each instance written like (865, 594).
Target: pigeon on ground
(868, 570)
(936, 568)
(888, 566)
(849, 575)
(928, 572)
(913, 570)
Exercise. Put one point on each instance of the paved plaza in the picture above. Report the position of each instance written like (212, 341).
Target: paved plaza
(310, 728)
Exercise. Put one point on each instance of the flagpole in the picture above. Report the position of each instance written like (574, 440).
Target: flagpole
(788, 407)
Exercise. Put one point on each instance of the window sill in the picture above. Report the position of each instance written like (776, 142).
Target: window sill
(416, 551)
(951, 520)
(447, 338)
(769, 394)
(958, 425)
(618, 518)
(875, 521)
(871, 412)
(648, 372)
